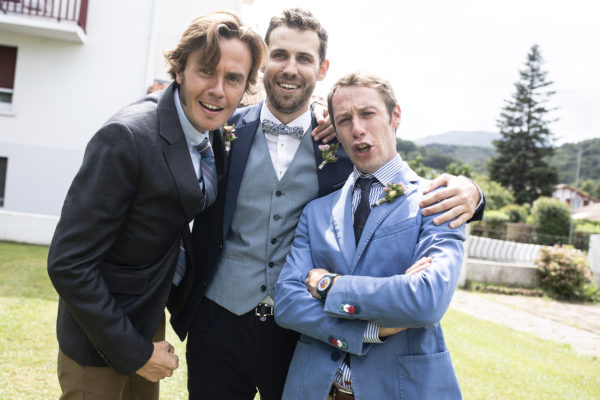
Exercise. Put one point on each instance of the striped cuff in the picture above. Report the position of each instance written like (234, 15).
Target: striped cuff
(371, 334)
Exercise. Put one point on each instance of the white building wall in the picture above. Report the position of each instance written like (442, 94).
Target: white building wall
(64, 92)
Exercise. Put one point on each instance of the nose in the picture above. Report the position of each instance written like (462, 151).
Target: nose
(290, 67)
(358, 129)
(216, 88)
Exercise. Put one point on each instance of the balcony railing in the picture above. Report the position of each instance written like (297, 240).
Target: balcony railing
(60, 10)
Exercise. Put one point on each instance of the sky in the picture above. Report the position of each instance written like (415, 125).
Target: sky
(453, 63)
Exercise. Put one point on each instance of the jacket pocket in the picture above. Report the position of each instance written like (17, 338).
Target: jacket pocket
(428, 376)
(130, 282)
(397, 227)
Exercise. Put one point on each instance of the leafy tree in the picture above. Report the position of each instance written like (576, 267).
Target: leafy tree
(407, 149)
(459, 169)
(591, 187)
(496, 196)
(524, 151)
(421, 170)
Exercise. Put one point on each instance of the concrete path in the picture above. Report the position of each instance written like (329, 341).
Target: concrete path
(564, 322)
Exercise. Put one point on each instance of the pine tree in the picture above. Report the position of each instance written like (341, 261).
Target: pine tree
(522, 164)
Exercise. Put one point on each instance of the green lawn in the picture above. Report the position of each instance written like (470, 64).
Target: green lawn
(492, 361)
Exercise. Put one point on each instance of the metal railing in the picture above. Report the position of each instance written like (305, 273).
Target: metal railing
(60, 10)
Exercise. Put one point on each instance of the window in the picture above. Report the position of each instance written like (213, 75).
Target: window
(3, 164)
(8, 62)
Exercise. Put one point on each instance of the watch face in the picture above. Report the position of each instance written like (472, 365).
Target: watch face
(324, 282)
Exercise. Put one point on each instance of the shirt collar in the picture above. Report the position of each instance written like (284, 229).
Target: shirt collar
(385, 174)
(302, 121)
(193, 136)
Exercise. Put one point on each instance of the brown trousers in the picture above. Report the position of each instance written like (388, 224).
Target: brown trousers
(80, 382)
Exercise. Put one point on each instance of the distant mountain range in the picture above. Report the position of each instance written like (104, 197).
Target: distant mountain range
(463, 138)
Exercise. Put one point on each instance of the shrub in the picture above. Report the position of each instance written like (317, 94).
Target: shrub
(515, 212)
(551, 219)
(565, 274)
(494, 224)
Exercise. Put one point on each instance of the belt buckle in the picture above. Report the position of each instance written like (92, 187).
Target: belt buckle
(263, 310)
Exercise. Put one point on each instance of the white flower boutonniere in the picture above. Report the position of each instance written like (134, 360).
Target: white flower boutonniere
(328, 153)
(229, 136)
(392, 191)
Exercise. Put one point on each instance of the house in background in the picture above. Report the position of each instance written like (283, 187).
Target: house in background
(575, 198)
(65, 67)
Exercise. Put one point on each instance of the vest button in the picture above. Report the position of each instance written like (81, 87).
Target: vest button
(335, 356)
(263, 288)
(278, 193)
(273, 241)
(276, 217)
(271, 264)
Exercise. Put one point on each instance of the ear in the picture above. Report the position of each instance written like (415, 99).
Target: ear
(396, 114)
(323, 68)
(178, 77)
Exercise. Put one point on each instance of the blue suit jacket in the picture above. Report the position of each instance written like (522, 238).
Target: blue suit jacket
(210, 228)
(412, 364)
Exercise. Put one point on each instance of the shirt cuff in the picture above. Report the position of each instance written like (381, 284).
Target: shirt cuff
(371, 334)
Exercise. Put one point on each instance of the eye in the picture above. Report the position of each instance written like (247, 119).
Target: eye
(206, 72)
(234, 78)
(305, 59)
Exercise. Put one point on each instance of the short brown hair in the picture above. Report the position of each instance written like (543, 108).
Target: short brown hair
(303, 20)
(205, 32)
(364, 79)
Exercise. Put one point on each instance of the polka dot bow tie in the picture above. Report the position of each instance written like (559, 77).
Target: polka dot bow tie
(279, 129)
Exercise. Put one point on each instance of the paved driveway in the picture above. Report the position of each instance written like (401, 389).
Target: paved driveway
(572, 323)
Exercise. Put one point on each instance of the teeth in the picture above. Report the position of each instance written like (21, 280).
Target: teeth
(362, 146)
(288, 86)
(210, 106)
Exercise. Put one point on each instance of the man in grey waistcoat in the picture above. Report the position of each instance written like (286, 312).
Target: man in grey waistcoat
(274, 169)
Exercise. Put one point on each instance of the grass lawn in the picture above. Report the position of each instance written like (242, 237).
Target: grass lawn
(492, 361)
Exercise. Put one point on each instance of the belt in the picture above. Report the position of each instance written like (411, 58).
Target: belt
(340, 394)
(263, 311)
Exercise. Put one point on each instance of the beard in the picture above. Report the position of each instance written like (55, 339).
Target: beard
(288, 104)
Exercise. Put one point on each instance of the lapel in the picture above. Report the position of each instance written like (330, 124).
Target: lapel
(238, 157)
(343, 220)
(344, 232)
(177, 155)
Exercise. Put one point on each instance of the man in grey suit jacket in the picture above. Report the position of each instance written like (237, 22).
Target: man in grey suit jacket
(122, 245)
(369, 328)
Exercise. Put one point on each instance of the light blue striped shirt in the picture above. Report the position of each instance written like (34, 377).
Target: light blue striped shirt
(383, 176)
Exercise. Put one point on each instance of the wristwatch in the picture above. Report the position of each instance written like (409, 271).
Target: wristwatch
(325, 284)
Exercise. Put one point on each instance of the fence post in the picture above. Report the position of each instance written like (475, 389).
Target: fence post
(594, 257)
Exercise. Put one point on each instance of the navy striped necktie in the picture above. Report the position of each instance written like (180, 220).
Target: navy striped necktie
(208, 172)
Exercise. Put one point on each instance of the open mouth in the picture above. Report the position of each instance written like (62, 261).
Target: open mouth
(362, 148)
(288, 86)
(210, 107)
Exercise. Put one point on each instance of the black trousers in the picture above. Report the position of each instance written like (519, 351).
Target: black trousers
(229, 357)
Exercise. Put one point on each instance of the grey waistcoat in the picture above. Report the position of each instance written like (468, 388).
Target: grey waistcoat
(263, 225)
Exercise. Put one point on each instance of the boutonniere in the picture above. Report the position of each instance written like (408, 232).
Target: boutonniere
(328, 153)
(392, 191)
(229, 135)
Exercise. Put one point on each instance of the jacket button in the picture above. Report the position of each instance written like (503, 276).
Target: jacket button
(276, 217)
(263, 288)
(335, 356)
(271, 264)
(278, 193)
(273, 241)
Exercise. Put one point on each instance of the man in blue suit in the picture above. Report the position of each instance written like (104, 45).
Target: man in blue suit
(369, 329)
(234, 345)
